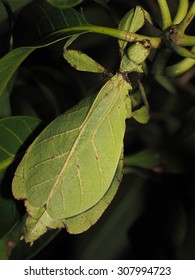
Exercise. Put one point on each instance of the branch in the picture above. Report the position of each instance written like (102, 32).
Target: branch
(181, 12)
(117, 33)
(165, 13)
(187, 41)
(188, 18)
(183, 51)
(180, 67)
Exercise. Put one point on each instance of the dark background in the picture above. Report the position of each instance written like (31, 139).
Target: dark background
(152, 215)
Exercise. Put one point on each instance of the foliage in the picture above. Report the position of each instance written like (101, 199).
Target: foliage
(89, 91)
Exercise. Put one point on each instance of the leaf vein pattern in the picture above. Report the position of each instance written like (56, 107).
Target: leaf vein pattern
(53, 136)
(63, 199)
(12, 133)
(79, 19)
(26, 125)
(45, 161)
(119, 114)
(111, 131)
(39, 221)
(99, 162)
(37, 26)
(6, 152)
(65, 21)
(39, 184)
(106, 115)
(80, 183)
(53, 28)
(82, 128)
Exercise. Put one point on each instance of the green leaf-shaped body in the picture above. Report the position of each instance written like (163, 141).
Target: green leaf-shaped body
(70, 166)
(39, 220)
(82, 62)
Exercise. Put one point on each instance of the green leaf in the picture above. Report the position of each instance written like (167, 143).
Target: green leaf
(9, 214)
(42, 22)
(147, 159)
(102, 2)
(64, 4)
(131, 22)
(3, 250)
(3, 12)
(23, 251)
(9, 64)
(53, 176)
(14, 132)
(5, 106)
(82, 62)
(11, 238)
(163, 158)
(14, 6)
(12, 247)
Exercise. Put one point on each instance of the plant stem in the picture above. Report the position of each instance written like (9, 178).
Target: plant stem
(181, 12)
(117, 33)
(158, 70)
(165, 13)
(188, 18)
(183, 51)
(187, 41)
(180, 67)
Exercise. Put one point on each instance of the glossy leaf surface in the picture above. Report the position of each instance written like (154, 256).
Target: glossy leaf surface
(42, 22)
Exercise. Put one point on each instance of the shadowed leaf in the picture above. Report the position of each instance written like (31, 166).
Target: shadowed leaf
(45, 25)
(64, 4)
(14, 131)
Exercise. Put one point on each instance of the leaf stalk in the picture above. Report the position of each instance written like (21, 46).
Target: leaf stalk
(117, 33)
(165, 13)
(181, 12)
(187, 19)
(180, 67)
